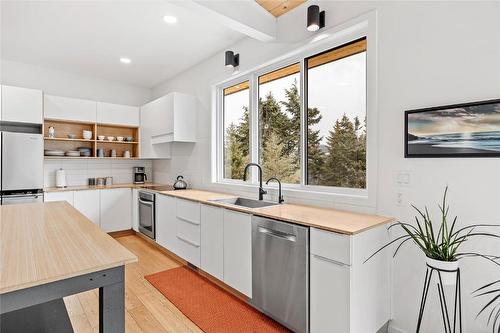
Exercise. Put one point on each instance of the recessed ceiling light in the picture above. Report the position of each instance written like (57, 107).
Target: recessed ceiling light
(125, 60)
(170, 19)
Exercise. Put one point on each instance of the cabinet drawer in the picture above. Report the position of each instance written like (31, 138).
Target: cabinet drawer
(188, 211)
(189, 250)
(331, 245)
(188, 231)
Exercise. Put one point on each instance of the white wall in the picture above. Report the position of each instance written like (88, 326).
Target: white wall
(61, 83)
(429, 53)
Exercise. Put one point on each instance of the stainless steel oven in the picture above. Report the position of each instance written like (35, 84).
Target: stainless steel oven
(147, 214)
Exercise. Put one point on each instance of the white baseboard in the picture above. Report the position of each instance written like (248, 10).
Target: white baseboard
(393, 329)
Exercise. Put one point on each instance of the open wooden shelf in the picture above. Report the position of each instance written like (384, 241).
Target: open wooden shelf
(65, 127)
(89, 158)
(68, 139)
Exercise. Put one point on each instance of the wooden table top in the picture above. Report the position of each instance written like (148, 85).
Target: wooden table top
(47, 242)
(339, 221)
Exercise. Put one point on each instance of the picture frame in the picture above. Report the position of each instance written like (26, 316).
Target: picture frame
(467, 130)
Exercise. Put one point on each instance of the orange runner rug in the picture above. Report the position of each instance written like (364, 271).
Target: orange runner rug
(209, 306)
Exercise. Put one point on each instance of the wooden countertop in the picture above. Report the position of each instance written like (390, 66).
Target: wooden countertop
(46, 242)
(104, 187)
(322, 218)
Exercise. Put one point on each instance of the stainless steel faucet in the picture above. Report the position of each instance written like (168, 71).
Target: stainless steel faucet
(261, 189)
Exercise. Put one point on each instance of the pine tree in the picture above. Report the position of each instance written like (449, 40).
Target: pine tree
(276, 163)
(315, 156)
(292, 133)
(341, 167)
(235, 159)
(242, 132)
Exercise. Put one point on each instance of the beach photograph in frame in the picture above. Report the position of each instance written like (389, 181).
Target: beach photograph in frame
(461, 130)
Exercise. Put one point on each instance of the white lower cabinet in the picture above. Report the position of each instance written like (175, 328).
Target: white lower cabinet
(329, 295)
(59, 196)
(116, 209)
(88, 203)
(188, 230)
(212, 241)
(166, 223)
(238, 251)
(135, 210)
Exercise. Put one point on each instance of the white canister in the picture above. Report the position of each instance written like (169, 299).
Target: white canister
(60, 178)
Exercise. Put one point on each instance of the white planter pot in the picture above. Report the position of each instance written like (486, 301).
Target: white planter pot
(448, 278)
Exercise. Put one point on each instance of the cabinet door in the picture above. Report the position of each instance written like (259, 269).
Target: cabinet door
(166, 230)
(149, 124)
(238, 251)
(184, 111)
(57, 107)
(116, 209)
(329, 299)
(212, 248)
(116, 114)
(59, 196)
(88, 203)
(21, 105)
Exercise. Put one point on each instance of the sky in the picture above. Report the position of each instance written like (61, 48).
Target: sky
(482, 118)
(335, 88)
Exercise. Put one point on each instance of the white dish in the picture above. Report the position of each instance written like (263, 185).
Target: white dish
(54, 153)
(87, 135)
(111, 138)
(101, 137)
(119, 138)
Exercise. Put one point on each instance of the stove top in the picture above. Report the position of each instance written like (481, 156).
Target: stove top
(158, 187)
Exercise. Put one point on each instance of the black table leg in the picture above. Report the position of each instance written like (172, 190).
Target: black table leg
(112, 308)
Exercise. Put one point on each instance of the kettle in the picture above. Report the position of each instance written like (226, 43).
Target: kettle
(180, 184)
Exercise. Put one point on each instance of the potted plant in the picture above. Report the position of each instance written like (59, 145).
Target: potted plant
(491, 289)
(440, 245)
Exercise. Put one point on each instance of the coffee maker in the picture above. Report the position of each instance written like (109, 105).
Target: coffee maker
(139, 175)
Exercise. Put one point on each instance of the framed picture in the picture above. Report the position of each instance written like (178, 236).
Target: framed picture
(461, 130)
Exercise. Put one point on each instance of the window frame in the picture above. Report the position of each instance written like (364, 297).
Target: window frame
(361, 27)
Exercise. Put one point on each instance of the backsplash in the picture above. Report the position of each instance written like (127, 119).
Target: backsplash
(78, 171)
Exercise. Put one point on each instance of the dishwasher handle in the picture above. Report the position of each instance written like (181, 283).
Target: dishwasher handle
(277, 234)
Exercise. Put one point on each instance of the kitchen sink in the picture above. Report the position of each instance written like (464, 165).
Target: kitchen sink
(244, 202)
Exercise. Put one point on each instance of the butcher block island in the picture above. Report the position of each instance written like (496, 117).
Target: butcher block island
(49, 251)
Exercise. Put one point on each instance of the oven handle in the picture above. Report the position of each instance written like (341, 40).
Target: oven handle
(277, 234)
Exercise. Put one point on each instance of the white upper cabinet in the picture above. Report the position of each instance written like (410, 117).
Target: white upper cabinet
(57, 107)
(116, 114)
(22, 105)
(171, 118)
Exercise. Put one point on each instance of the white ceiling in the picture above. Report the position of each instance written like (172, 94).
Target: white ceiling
(89, 37)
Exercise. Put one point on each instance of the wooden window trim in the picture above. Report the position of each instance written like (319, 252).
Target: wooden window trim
(236, 88)
(279, 73)
(337, 53)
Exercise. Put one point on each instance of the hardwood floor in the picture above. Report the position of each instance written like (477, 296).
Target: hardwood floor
(147, 310)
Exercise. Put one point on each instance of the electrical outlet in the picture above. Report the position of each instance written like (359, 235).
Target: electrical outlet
(403, 178)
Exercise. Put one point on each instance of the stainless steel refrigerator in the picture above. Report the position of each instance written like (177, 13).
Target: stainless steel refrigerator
(21, 163)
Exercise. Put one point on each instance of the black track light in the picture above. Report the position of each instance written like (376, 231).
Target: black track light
(315, 18)
(232, 60)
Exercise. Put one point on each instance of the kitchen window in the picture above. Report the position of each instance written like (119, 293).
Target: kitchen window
(279, 124)
(304, 120)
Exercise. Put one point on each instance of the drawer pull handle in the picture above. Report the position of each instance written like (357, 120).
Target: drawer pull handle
(338, 263)
(188, 220)
(188, 241)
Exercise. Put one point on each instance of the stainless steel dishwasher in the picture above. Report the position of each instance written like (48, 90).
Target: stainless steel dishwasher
(280, 272)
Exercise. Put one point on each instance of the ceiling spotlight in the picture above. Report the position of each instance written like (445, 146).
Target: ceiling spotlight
(170, 19)
(125, 60)
(232, 60)
(315, 18)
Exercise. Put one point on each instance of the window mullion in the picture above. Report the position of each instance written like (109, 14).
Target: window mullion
(254, 125)
(303, 124)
